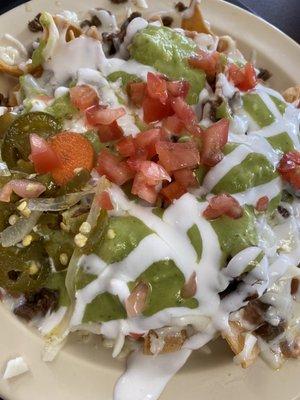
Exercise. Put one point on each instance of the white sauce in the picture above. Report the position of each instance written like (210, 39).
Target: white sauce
(136, 25)
(51, 320)
(70, 16)
(218, 172)
(251, 196)
(12, 52)
(224, 87)
(108, 20)
(82, 52)
(142, 4)
(147, 376)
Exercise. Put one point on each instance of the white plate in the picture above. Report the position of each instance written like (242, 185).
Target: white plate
(87, 371)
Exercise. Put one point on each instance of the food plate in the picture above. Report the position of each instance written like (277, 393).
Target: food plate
(86, 371)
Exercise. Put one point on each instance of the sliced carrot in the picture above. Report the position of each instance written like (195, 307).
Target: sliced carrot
(74, 151)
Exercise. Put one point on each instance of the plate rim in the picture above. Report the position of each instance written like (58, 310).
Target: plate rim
(19, 326)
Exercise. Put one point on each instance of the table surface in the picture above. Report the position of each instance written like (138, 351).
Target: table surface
(282, 13)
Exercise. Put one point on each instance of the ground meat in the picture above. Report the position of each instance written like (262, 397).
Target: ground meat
(35, 25)
(254, 312)
(294, 286)
(264, 74)
(269, 332)
(236, 102)
(85, 23)
(3, 100)
(283, 211)
(167, 20)
(291, 349)
(180, 7)
(230, 288)
(214, 105)
(118, 1)
(95, 21)
(127, 22)
(113, 40)
(38, 303)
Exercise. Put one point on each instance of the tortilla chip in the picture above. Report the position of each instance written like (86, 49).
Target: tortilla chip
(236, 341)
(12, 70)
(196, 21)
(171, 343)
(72, 31)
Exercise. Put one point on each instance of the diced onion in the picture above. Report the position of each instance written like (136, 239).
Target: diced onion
(58, 204)
(15, 233)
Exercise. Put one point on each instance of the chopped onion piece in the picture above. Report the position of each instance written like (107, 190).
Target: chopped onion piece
(15, 233)
(59, 203)
(15, 367)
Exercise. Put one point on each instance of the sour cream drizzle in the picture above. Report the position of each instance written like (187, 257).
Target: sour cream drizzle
(288, 122)
(170, 241)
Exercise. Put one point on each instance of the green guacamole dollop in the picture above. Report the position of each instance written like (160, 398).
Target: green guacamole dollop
(168, 51)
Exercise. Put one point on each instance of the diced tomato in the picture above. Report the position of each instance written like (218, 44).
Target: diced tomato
(173, 191)
(83, 97)
(134, 161)
(223, 204)
(186, 178)
(105, 201)
(174, 156)
(98, 115)
(148, 139)
(178, 88)
(289, 162)
(115, 170)
(183, 111)
(142, 189)
(137, 92)
(141, 154)
(262, 204)
(42, 155)
(214, 139)
(154, 110)
(108, 133)
(157, 88)
(153, 172)
(209, 62)
(236, 74)
(186, 114)
(289, 168)
(243, 78)
(173, 125)
(126, 146)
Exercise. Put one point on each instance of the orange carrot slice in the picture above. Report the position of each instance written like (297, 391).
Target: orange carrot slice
(74, 151)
